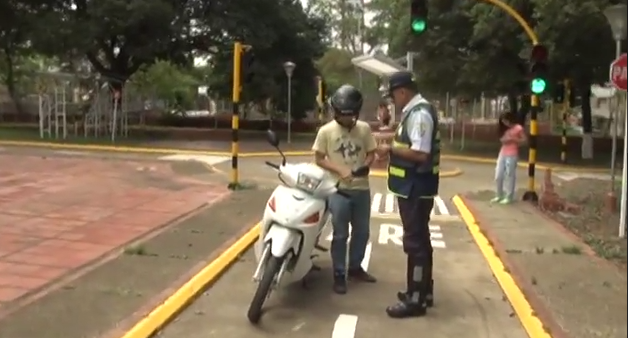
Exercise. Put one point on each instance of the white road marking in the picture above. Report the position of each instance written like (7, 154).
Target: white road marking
(389, 205)
(367, 257)
(345, 326)
(209, 160)
(441, 206)
(392, 233)
(375, 203)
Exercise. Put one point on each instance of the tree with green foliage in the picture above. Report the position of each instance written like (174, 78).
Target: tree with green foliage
(282, 31)
(170, 83)
(473, 46)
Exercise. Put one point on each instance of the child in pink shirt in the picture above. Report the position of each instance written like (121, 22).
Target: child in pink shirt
(512, 136)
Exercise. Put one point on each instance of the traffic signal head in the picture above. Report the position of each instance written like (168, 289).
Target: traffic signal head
(418, 16)
(538, 70)
(247, 60)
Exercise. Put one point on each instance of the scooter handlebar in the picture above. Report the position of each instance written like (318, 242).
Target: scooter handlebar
(362, 171)
(272, 165)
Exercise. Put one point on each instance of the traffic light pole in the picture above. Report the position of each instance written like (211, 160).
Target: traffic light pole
(235, 115)
(565, 108)
(530, 195)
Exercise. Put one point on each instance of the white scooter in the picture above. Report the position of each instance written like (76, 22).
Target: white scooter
(294, 219)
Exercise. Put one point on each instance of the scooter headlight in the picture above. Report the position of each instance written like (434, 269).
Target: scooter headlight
(307, 182)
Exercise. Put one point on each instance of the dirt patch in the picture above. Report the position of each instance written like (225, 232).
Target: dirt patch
(595, 226)
(109, 296)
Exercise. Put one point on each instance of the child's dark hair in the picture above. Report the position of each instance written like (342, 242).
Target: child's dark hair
(501, 126)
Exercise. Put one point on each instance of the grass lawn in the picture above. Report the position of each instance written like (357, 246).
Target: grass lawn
(18, 133)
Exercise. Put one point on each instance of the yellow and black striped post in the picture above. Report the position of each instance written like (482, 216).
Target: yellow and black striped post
(235, 117)
(530, 194)
(319, 98)
(566, 106)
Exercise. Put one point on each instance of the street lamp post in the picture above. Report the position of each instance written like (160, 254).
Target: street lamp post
(616, 16)
(289, 68)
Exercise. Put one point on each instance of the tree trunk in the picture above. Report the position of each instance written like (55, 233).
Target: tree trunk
(587, 121)
(512, 102)
(10, 80)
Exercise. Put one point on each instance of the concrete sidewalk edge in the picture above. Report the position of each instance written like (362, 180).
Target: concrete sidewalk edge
(167, 305)
(534, 315)
(100, 261)
(305, 152)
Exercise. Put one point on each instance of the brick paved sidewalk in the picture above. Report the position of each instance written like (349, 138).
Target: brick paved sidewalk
(573, 292)
(60, 214)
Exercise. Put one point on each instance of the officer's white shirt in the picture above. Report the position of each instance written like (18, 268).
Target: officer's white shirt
(420, 125)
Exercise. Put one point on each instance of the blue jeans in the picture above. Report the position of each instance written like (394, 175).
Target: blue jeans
(506, 176)
(355, 210)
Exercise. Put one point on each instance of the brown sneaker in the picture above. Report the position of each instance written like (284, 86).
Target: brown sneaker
(361, 276)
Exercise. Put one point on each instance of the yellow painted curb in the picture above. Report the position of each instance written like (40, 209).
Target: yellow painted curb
(157, 318)
(166, 151)
(523, 309)
(540, 166)
(443, 174)
(144, 150)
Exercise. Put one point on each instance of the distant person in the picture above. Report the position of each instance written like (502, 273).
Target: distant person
(511, 136)
(341, 146)
(383, 115)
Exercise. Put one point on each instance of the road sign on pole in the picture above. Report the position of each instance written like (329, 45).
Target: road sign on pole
(618, 72)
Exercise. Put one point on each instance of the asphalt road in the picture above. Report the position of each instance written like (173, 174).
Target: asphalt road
(469, 302)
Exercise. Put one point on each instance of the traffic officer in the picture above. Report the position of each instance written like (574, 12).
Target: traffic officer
(413, 176)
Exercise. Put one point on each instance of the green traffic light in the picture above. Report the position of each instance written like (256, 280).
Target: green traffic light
(418, 25)
(538, 86)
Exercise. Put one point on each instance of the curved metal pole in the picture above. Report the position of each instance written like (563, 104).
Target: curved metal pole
(515, 15)
(530, 194)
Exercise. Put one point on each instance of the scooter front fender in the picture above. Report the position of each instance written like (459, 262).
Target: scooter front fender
(282, 240)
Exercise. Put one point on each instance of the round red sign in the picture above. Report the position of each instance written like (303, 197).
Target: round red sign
(618, 72)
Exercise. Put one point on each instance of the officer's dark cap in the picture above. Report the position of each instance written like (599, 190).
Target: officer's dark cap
(401, 79)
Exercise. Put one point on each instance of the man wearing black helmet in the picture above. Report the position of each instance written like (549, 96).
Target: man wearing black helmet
(413, 175)
(342, 145)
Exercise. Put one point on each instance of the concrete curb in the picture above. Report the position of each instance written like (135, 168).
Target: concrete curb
(163, 313)
(528, 307)
(155, 150)
(539, 166)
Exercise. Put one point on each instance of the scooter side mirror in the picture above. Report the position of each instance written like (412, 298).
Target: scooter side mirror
(361, 171)
(272, 139)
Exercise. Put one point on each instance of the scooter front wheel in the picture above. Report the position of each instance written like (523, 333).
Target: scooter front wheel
(273, 265)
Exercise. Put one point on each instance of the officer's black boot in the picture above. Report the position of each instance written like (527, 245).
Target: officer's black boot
(403, 296)
(429, 298)
(415, 303)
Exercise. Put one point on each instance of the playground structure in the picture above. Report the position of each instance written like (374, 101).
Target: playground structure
(89, 105)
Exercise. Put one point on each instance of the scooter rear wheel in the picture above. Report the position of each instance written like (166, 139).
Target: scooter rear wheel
(273, 265)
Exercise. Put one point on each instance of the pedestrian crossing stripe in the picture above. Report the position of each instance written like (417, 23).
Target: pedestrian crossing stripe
(387, 204)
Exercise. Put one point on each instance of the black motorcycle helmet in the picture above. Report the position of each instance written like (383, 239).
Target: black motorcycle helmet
(347, 100)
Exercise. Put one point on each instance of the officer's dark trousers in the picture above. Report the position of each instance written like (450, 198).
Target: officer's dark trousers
(415, 216)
